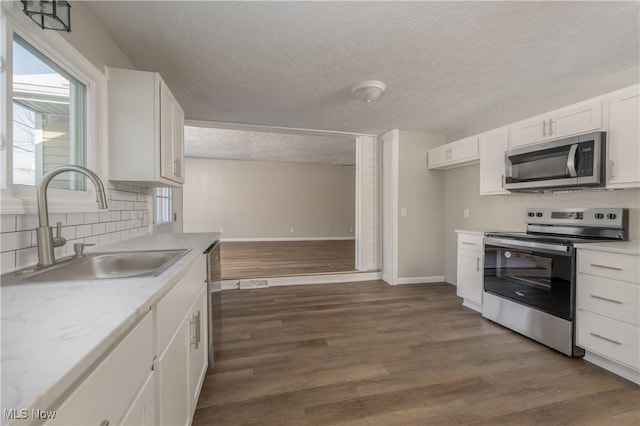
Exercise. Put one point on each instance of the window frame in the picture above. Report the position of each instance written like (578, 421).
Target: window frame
(21, 199)
(170, 199)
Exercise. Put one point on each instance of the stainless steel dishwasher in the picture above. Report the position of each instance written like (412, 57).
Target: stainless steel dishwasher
(214, 312)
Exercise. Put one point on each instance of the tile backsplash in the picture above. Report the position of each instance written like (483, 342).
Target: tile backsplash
(129, 216)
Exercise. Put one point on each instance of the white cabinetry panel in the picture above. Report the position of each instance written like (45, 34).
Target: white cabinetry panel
(623, 139)
(146, 129)
(454, 154)
(493, 146)
(572, 120)
(470, 269)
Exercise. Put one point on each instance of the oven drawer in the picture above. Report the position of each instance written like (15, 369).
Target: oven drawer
(612, 339)
(614, 299)
(609, 265)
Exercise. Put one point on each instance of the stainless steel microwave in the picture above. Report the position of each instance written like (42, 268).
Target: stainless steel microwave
(575, 162)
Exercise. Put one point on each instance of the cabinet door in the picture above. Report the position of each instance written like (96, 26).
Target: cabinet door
(199, 345)
(178, 144)
(438, 156)
(575, 119)
(623, 142)
(528, 131)
(493, 146)
(470, 272)
(173, 379)
(167, 109)
(464, 149)
(143, 410)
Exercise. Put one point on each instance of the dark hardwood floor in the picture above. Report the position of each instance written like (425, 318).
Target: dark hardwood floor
(265, 259)
(371, 354)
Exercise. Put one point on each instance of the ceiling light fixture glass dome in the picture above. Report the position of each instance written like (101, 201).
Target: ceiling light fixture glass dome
(369, 90)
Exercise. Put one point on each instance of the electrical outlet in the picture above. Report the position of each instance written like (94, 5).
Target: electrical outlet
(351, 230)
(292, 230)
(221, 230)
(403, 211)
(466, 212)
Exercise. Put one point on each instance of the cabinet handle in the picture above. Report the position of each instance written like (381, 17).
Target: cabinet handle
(196, 333)
(615, 342)
(613, 268)
(469, 244)
(608, 300)
(105, 423)
(544, 128)
(503, 181)
(611, 166)
(176, 168)
(550, 126)
(477, 264)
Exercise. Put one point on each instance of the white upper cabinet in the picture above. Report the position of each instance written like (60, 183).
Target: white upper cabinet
(454, 154)
(623, 139)
(146, 129)
(493, 146)
(572, 120)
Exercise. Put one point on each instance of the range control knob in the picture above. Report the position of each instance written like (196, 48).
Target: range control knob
(539, 214)
(611, 216)
(531, 214)
(599, 216)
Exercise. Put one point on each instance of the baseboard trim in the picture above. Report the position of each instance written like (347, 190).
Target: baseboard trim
(310, 279)
(419, 280)
(618, 369)
(250, 240)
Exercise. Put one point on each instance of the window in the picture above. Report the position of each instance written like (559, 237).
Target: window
(163, 212)
(49, 116)
(52, 112)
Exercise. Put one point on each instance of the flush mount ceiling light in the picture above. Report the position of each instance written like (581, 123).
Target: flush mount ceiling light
(50, 15)
(369, 90)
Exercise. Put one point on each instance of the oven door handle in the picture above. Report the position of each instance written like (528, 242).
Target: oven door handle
(571, 161)
(529, 244)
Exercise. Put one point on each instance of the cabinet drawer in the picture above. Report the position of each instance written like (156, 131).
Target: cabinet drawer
(470, 242)
(610, 338)
(113, 385)
(609, 265)
(172, 307)
(614, 299)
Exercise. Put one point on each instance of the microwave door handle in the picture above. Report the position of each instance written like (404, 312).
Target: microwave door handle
(571, 161)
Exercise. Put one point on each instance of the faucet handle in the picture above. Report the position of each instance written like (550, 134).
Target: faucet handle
(59, 240)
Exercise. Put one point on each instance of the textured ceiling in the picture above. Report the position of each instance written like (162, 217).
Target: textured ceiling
(447, 65)
(249, 145)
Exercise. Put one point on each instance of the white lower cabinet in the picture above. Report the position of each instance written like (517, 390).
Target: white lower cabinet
(608, 310)
(155, 373)
(470, 268)
(105, 395)
(143, 409)
(183, 360)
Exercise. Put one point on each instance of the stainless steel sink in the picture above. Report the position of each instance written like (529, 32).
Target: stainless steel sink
(97, 266)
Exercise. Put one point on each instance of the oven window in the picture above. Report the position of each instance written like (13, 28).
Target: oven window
(538, 280)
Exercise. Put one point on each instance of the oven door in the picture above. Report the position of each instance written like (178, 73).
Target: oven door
(538, 278)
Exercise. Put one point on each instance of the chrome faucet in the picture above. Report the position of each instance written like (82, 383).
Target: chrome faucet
(46, 241)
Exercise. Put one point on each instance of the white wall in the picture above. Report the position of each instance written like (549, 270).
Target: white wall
(261, 199)
(421, 192)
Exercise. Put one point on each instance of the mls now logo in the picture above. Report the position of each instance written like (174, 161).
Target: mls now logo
(16, 414)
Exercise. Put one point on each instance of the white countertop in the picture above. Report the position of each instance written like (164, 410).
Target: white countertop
(622, 247)
(53, 332)
(468, 231)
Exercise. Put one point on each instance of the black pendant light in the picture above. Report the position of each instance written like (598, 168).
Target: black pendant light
(49, 15)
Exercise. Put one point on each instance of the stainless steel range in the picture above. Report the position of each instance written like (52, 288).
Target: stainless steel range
(530, 278)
